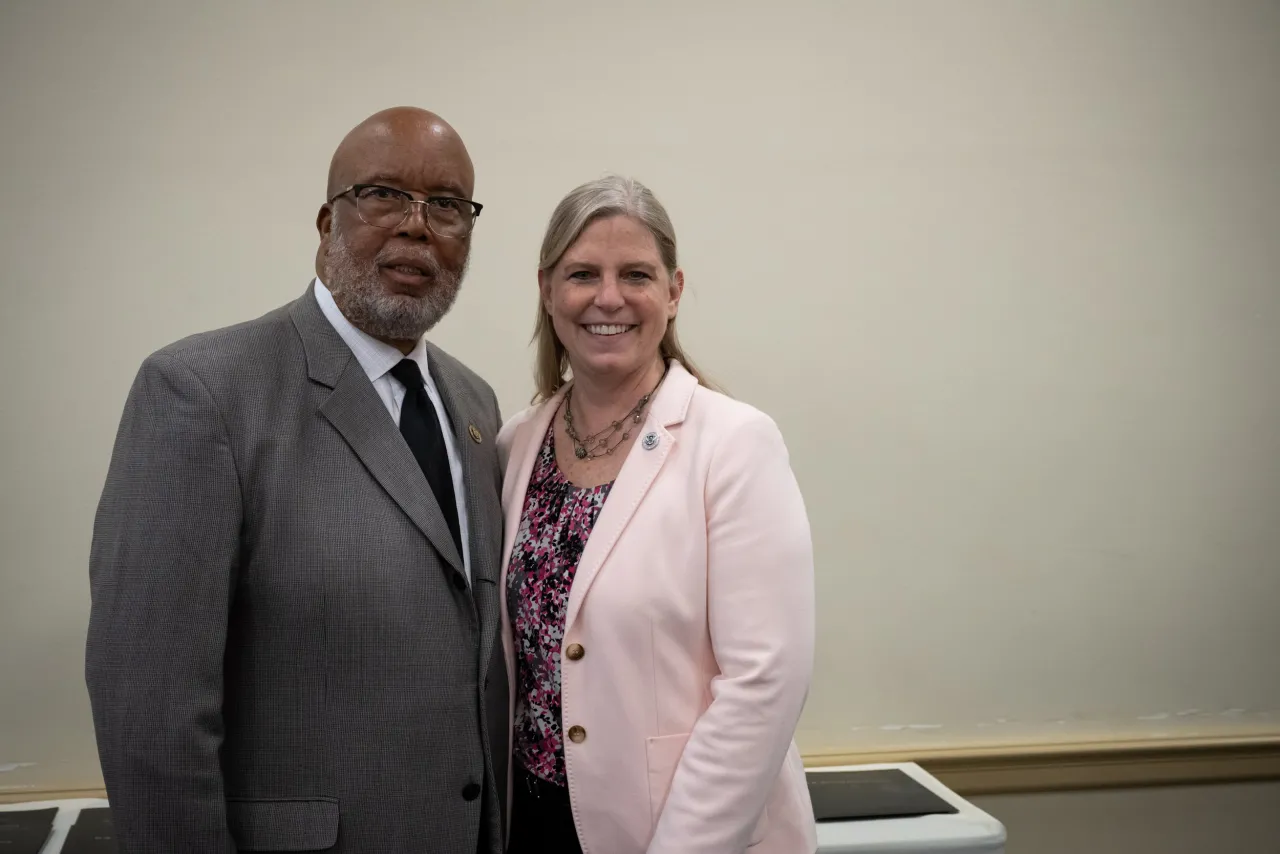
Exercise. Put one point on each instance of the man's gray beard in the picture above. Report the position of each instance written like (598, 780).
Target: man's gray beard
(360, 293)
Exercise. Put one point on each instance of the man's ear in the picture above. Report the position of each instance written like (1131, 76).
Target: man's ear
(324, 221)
(324, 225)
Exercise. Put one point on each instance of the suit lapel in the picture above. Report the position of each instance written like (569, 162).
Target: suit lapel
(356, 411)
(463, 415)
(642, 466)
(484, 525)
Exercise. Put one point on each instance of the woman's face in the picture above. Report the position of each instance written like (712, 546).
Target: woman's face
(610, 299)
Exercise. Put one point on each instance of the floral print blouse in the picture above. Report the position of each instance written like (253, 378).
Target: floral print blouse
(554, 526)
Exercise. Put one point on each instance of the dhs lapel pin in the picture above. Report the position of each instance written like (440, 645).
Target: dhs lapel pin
(475, 433)
(650, 441)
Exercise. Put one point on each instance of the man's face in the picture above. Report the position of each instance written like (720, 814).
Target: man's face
(396, 283)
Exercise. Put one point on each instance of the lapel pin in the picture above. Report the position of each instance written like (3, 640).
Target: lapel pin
(650, 441)
(475, 433)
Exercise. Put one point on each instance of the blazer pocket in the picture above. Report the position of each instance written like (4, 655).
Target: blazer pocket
(663, 753)
(296, 824)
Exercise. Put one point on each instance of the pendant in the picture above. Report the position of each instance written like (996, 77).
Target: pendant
(581, 452)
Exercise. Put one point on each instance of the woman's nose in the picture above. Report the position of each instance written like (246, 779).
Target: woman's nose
(610, 293)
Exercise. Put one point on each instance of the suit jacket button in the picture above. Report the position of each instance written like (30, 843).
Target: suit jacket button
(575, 651)
(577, 734)
(471, 791)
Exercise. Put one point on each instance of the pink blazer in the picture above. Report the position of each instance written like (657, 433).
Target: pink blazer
(694, 607)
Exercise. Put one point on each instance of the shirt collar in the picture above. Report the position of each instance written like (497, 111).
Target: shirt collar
(375, 357)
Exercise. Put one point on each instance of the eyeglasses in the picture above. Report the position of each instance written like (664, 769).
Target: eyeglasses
(387, 207)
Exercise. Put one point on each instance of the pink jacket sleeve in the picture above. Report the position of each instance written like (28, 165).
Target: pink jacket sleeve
(760, 600)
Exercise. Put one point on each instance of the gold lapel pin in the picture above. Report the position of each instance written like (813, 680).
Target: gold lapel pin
(475, 433)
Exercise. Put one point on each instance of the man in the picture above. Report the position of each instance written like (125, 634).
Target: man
(295, 559)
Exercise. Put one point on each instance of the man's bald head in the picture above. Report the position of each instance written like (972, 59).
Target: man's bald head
(400, 135)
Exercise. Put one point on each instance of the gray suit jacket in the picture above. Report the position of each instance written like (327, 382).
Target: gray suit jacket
(284, 653)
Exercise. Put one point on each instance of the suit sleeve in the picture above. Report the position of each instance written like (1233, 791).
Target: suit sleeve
(760, 602)
(162, 569)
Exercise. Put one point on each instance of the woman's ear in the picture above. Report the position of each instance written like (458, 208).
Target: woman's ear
(544, 290)
(677, 291)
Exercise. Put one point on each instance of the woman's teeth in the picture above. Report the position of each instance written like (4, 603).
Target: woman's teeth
(611, 329)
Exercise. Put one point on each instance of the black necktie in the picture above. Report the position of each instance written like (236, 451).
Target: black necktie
(420, 426)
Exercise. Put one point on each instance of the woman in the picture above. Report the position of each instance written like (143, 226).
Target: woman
(658, 618)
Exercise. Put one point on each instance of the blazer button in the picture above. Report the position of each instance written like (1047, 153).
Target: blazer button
(577, 734)
(575, 651)
(471, 791)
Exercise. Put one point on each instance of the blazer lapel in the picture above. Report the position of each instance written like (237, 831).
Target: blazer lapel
(356, 411)
(525, 445)
(638, 473)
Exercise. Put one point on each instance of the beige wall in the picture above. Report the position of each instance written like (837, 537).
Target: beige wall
(1226, 819)
(1006, 273)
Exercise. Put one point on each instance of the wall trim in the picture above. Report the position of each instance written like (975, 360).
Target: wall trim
(1015, 768)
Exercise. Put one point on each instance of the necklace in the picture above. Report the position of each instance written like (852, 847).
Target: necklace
(596, 445)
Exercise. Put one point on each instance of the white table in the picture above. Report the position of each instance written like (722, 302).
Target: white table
(969, 831)
(68, 812)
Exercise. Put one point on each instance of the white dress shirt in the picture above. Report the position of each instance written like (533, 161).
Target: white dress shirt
(378, 358)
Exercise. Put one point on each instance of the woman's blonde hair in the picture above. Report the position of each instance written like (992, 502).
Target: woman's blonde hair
(613, 195)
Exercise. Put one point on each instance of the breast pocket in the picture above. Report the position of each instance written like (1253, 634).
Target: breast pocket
(663, 753)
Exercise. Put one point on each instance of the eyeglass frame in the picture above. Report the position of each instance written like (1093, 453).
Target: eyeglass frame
(426, 210)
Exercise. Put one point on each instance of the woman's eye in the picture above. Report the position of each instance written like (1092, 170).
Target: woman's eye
(579, 275)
